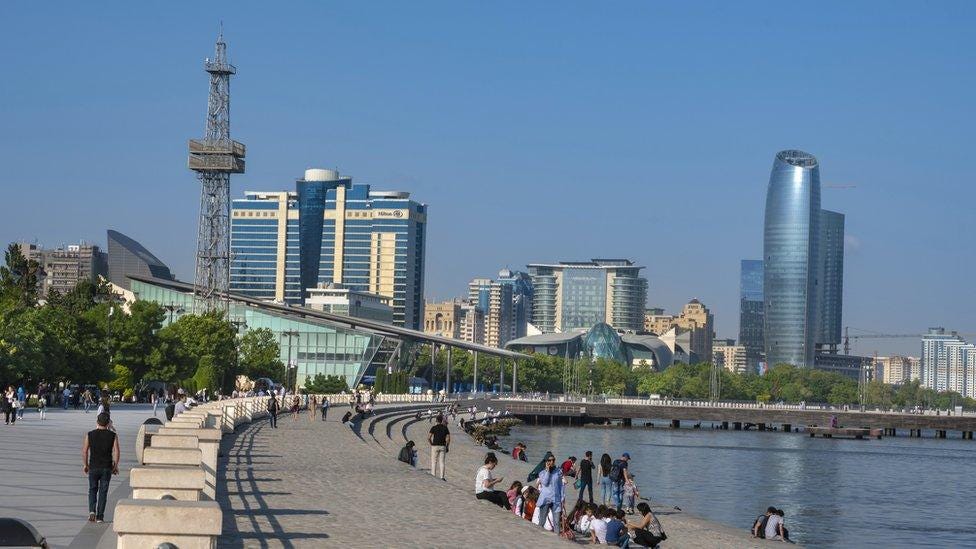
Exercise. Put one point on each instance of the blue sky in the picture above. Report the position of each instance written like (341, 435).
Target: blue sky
(535, 131)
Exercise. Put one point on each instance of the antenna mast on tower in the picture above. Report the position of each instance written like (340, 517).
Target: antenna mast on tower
(214, 158)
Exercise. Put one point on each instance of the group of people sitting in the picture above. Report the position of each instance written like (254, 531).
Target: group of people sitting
(770, 525)
(541, 502)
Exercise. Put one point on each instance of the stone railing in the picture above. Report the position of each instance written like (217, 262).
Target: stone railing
(174, 486)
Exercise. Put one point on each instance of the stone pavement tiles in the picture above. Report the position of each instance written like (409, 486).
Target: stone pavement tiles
(41, 475)
(314, 484)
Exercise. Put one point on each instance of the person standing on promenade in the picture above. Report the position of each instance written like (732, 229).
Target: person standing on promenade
(87, 397)
(586, 475)
(312, 405)
(605, 464)
(100, 459)
(22, 400)
(325, 408)
(439, 438)
(618, 476)
(273, 411)
(42, 407)
(65, 398)
(9, 412)
(550, 493)
(153, 397)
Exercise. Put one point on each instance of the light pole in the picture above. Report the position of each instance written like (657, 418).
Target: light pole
(290, 334)
(174, 309)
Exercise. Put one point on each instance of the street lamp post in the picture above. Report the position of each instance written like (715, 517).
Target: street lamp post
(290, 334)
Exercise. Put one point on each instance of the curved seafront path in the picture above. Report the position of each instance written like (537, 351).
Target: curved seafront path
(315, 483)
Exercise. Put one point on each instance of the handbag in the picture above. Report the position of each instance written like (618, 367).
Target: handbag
(578, 484)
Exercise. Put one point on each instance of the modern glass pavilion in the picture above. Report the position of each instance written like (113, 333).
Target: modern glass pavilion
(790, 249)
(313, 342)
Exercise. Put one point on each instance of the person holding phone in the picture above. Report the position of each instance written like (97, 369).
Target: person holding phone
(550, 493)
(484, 483)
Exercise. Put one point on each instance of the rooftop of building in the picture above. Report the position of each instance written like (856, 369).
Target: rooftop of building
(593, 264)
(797, 158)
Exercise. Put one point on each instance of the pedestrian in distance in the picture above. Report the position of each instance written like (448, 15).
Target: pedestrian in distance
(42, 407)
(325, 408)
(585, 479)
(312, 405)
(100, 458)
(273, 411)
(618, 476)
(295, 407)
(7, 403)
(154, 398)
(22, 401)
(605, 484)
(439, 438)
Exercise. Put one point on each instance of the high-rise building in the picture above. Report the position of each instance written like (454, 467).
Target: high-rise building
(64, 267)
(726, 354)
(472, 323)
(948, 363)
(578, 295)
(790, 253)
(657, 321)
(895, 370)
(128, 257)
(695, 322)
(521, 284)
(333, 298)
(443, 319)
(331, 231)
(751, 310)
(830, 281)
(495, 302)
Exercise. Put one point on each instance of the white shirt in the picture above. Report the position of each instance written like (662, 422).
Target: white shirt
(599, 528)
(479, 480)
(584, 523)
(179, 409)
(771, 526)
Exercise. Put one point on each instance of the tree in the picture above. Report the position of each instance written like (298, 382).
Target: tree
(19, 278)
(259, 353)
(326, 385)
(209, 334)
(133, 337)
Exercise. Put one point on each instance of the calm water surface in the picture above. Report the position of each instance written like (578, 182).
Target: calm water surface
(895, 492)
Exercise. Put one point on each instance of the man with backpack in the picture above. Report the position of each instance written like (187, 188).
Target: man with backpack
(618, 476)
(759, 526)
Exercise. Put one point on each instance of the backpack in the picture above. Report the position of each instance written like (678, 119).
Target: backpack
(761, 521)
(616, 471)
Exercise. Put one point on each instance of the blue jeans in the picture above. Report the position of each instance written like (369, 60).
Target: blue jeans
(583, 486)
(98, 480)
(545, 509)
(605, 489)
(618, 494)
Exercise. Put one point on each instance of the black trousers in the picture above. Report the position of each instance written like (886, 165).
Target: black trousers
(274, 418)
(645, 538)
(586, 484)
(497, 497)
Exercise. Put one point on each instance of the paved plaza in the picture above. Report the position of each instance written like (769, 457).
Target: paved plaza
(41, 471)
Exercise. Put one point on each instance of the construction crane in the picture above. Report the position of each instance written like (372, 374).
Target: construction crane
(848, 337)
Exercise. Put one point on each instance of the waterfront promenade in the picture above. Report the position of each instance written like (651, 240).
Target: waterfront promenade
(314, 483)
(41, 471)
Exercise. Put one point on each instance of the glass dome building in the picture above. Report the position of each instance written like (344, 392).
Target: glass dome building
(790, 250)
(603, 342)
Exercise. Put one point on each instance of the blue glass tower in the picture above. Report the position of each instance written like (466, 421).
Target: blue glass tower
(751, 310)
(791, 253)
(312, 192)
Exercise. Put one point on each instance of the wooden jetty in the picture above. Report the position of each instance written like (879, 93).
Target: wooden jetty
(844, 432)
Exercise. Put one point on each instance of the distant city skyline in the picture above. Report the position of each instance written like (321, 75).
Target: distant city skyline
(651, 143)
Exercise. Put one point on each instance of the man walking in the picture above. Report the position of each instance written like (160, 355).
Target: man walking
(273, 410)
(439, 439)
(586, 475)
(550, 494)
(325, 408)
(100, 458)
(618, 476)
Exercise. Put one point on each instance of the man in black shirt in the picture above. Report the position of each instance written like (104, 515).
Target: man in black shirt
(586, 475)
(100, 458)
(440, 439)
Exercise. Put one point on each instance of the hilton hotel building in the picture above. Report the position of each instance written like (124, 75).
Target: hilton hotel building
(330, 231)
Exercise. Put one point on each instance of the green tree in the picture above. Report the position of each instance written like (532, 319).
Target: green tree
(327, 385)
(19, 277)
(133, 337)
(209, 334)
(260, 355)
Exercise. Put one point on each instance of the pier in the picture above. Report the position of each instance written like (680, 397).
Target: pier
(733, 415)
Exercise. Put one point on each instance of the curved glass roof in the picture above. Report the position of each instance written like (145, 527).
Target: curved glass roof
(603, 342)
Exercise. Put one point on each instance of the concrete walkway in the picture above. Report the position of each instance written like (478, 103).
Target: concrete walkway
(41, 476)
(314, 483)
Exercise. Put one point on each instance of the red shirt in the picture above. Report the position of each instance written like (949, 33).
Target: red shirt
(567, 466)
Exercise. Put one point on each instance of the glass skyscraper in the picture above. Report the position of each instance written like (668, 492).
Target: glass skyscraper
(791, 252)
(751, 309)
(330, 231)
(830, 283)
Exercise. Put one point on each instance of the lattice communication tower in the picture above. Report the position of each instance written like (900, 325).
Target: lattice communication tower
(214, 158)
